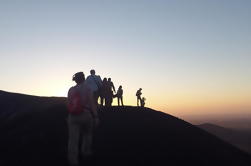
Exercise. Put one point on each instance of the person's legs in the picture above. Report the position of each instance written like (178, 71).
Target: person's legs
(122, 101)
(109, 101)
(102, 100)
(73, 143)
(141, 103)
(118, 101)
(106, 98)
(106, 101)
(87, 137)
(95, 97)
(86, 148)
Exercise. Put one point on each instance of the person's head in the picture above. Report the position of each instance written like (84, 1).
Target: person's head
(78, 77)
(120, 87)
(92, 72)
(140, 89)
(105, 80)
(109, 79)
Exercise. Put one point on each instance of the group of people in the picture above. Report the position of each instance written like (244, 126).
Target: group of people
(105, 90)
(82, 108)
(140, 100)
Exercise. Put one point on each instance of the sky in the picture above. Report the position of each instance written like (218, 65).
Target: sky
(189, 57)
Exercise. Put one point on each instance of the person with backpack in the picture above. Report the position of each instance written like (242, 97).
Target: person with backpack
(119, 95)
(95, 83)
(82, 119)
(138, 94)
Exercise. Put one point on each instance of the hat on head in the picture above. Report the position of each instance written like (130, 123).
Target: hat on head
(78, 76)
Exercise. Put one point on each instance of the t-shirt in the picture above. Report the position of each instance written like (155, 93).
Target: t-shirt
(120, 92)
(94, 82)
(84, 94)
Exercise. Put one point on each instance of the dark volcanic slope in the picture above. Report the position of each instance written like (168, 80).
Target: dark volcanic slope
(37, 135)
(14, 105)
(237, 137)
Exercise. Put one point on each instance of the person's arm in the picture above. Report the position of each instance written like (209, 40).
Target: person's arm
(73, 100)
(100, 81)
(113, 87)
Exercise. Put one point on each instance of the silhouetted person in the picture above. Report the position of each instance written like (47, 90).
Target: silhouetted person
(111, 88)
(142, 103)
(104, 92)
(95, 84)
(138, 94)
(119, 95)
(82, 119)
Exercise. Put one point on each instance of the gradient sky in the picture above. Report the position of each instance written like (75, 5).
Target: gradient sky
(189, 57)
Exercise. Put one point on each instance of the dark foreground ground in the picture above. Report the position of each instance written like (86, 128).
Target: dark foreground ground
(33, 131)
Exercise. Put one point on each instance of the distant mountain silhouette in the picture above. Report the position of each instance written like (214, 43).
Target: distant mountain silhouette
(239, 123)
(33, 131)
(237, 137)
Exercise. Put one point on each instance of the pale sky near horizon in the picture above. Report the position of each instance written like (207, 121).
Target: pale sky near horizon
(189, 57)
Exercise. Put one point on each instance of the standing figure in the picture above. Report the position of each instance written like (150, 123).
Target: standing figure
(95, 84)
(104, 92)
(138, 94)
(110, 91)
(82, 119)
(142, 103)
(119, 95)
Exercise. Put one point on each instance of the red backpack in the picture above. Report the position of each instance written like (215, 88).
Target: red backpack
(75, 106)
